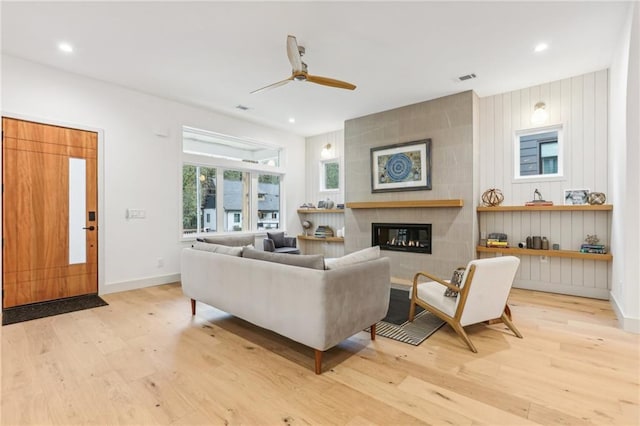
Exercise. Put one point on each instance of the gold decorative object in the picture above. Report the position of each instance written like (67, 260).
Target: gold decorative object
(492, 197)
(596, 198)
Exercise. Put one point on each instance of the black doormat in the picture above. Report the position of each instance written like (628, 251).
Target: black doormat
(396, 324)
(399, 303)
(50, 308)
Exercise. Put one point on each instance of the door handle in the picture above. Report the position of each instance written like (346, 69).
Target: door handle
(91, 228)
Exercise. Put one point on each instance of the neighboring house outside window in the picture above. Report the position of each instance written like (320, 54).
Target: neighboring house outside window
(248, 194)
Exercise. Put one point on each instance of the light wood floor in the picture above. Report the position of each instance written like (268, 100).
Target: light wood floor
(145, 360)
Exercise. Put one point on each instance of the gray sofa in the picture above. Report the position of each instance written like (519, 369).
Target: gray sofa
(318, 308)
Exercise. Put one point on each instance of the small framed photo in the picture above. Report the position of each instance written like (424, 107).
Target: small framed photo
(576, 196)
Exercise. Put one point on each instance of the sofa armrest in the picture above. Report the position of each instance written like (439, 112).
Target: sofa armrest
(290, 241)
(268, 245)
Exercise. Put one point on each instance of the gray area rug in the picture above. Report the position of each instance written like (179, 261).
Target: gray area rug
(413, 333)
(53, 307)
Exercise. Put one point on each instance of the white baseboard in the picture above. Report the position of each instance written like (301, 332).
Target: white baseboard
(141, 283)
(629, 324)
(592, 292)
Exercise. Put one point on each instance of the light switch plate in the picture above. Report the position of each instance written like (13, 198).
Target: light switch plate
(136, 214)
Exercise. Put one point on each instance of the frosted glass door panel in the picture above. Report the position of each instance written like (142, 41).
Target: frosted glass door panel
(77, 210)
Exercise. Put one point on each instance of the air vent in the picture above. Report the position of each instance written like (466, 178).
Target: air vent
(242, 107)
(466, 77)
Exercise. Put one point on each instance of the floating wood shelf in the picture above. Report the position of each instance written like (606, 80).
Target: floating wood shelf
(551, 253)
(320, 210)
(406, 204)
(602, 207)
(327, 239)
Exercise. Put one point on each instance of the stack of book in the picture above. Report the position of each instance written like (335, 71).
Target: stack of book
(497, 243)
(323, 232)
(593, 248)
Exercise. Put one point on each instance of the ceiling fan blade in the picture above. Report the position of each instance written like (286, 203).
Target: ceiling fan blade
(273, 86)
(330, 82)
(294, 54)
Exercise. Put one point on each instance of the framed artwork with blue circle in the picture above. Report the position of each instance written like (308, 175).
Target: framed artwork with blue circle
(401, 167)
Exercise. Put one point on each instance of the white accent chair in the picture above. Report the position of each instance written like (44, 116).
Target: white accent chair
(482, 295)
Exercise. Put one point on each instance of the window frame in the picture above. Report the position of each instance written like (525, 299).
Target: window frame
(221, 164)
(560, 129)
(323, 175)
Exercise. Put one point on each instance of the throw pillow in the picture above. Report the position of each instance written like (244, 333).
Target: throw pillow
(218, 248)
(364, 255)
(313, 261)
(456, 280)
(277, 237)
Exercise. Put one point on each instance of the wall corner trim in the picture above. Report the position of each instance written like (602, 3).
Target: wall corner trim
(629, 324)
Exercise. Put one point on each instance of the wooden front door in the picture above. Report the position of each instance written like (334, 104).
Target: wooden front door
(49, 212)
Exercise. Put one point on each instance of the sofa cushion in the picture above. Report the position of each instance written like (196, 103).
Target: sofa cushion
(231, 240)
(218, 248)
(277, 237)
(313, 261)
(370, 253)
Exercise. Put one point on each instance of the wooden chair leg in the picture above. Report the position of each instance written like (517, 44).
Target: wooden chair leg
(458, 329)
(507, 311)
(193, 307)
(505, 319)
(318, 361)
(412, 311)
(373, 332)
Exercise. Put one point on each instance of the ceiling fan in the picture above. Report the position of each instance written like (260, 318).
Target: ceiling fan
(299, 70)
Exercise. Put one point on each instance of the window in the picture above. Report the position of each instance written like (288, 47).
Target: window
(236, 200)
(229, 184)
(329, 175)
(538, 153)
(268, 201)
(198, 199)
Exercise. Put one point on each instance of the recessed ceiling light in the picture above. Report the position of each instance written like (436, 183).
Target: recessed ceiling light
(65, 47)
(292, 120)
(541, 46)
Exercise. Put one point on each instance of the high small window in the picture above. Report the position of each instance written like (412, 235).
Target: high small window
(329, 175)
(538, 153)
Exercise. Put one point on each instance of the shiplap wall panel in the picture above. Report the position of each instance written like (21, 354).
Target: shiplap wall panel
(577, 130)
(581, 104)
(588, 132)
(601, 102)
(313, 148)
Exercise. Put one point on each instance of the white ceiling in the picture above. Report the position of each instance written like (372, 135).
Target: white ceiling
(212, 54)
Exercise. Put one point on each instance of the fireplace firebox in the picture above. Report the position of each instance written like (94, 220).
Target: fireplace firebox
(407, 237)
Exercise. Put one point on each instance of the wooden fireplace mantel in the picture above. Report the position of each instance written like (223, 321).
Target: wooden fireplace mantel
(455, 202)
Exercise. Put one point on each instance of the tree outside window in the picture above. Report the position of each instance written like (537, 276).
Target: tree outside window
(329, 175)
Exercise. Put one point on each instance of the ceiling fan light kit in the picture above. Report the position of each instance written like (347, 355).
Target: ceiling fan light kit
(299, 70)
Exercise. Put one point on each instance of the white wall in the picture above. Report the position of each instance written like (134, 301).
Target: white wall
(140, 169)
(624, 172)
(580, 104)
